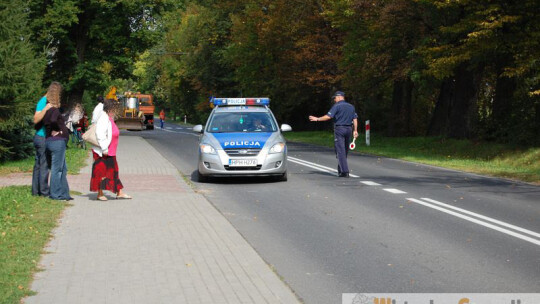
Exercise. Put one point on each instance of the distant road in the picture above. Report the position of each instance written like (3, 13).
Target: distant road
(393, 226)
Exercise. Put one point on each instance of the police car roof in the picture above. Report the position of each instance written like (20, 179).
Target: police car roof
(249, 101)
(229, 109)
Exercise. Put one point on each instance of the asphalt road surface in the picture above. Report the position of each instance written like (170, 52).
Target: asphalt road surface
(392, 227)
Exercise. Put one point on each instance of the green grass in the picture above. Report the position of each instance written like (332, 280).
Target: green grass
(75, 158)
(26, 223)
(478, 157)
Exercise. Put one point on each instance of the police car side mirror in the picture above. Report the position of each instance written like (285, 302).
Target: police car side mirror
(198, 128)
(285, 128)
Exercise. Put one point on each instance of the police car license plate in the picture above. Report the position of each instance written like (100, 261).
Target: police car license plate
(242, 162)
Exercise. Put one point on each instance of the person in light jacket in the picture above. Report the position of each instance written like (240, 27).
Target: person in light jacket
(105, 168)
(98, 110)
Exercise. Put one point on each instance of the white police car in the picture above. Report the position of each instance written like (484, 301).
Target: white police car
(242, 138)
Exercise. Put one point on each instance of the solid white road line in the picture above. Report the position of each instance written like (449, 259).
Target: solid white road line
(395, 191)
(315, 166)
(308, 165)
(370, 183)
(476, 221)
(529, 232)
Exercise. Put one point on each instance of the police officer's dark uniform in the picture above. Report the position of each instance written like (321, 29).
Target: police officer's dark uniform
(343, 114)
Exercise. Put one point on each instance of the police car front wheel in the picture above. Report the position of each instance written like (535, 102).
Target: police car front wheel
(202, 178)
(282, 178)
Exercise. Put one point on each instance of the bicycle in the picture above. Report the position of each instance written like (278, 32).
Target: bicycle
(76, 137)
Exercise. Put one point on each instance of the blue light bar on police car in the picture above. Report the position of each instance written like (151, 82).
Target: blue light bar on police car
(256, 101)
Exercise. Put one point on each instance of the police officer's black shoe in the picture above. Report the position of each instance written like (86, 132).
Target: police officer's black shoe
(344, 174)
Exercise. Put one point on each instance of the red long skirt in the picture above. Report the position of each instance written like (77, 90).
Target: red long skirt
(105, 174)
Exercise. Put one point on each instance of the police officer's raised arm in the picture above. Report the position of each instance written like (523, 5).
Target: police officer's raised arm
(322, 118)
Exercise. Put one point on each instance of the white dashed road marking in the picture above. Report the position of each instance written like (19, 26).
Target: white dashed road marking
(395, 191)
(480, 222)
(370, 183)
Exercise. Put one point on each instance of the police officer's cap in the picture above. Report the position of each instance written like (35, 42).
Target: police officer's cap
(339, 93)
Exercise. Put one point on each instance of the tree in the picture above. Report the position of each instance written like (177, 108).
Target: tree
(286, 50)
(90, 42)
(482, 51)
(21, 70)
(379, 64)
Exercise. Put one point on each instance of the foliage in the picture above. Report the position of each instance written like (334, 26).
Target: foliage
(492, 40)
(20, 82)
(191, 68)
(92, 42)
(462, 69)
(452, 68)
(17, 135)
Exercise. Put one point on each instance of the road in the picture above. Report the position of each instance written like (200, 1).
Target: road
(393, 227)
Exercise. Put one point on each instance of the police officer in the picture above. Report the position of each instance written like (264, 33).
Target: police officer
(345, 123)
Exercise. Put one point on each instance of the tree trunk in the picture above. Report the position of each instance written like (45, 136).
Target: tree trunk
(440, 120)
(463, 113)
(81, 39)
(455, 111)
(400, 115)
(502, 103)
(537, 124)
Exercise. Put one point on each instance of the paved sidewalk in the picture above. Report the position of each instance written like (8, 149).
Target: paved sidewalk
(166, 245)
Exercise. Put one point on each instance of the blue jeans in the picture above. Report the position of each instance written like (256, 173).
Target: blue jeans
(342, 139)
(40, 176)
(59, 185)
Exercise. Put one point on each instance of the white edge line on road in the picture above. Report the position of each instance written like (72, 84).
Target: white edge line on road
(370, 183)
(308, 165)
(395, 191)
(479, 222)
(523, 230)
(315, 166)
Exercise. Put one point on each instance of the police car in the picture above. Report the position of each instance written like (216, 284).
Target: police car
(242, 138)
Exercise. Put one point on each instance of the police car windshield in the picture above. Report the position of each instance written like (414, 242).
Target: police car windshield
(241, 122)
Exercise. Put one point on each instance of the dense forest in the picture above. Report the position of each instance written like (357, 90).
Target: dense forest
(459, 69)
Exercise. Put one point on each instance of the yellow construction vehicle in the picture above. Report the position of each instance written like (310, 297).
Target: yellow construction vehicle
(128, 115)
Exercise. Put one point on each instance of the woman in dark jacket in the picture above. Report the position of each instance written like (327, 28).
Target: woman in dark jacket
(57, 135)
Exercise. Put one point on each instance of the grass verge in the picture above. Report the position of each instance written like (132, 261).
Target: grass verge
(477, 157)
(75, 158)
(26, 223)
(177, 122)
